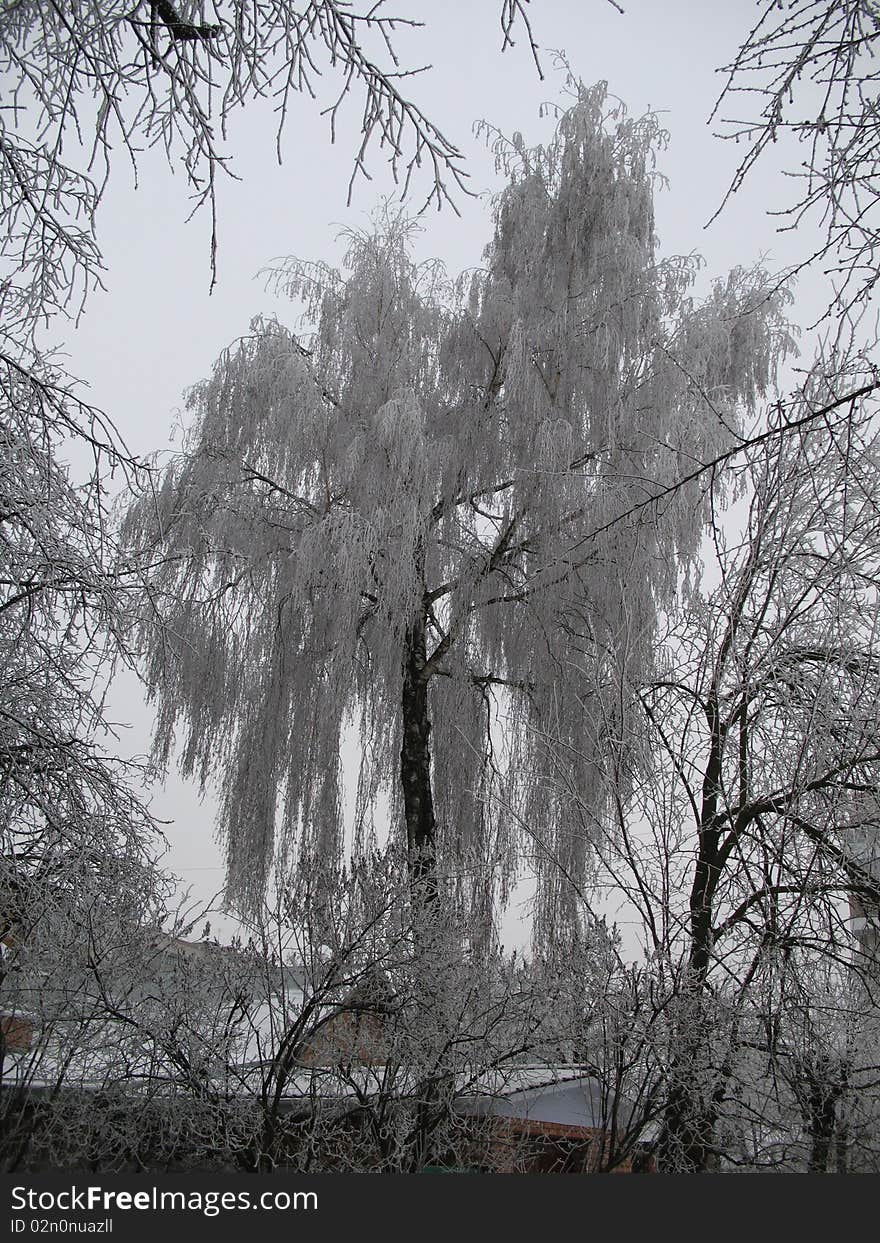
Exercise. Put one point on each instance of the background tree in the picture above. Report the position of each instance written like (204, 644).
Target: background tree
(740, 849)
(71, 825)
(80, 913)
(816, 1056)
(386, 523)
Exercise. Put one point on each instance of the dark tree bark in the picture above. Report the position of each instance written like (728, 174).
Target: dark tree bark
(687, 1142)
(415, 767)
(179, 29)
(421, 841)
(823, 1089)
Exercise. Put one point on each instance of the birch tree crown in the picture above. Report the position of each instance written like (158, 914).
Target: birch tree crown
(451, 486)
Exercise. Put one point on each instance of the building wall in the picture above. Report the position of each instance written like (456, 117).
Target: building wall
(347, 1038)
(17, 1032)
(521, 1147)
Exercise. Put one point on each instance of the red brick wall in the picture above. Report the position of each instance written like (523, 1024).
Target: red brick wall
(18, 1032)
(347, 1038)
(533, 1147)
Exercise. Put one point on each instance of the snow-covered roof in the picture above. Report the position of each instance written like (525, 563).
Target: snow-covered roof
(564, 1095)
(568, 1095)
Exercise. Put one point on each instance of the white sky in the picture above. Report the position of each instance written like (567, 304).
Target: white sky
(157, 330)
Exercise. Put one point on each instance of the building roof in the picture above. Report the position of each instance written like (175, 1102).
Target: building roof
(565, 1095)
(566, 1098)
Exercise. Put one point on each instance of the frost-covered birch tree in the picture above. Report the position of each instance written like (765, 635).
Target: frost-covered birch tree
(399, 524)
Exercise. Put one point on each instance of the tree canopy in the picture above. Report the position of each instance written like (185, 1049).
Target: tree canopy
(393, 523)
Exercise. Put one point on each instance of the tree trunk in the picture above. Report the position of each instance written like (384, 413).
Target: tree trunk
(687, 1141)
(421, 841)
(415, 770)
(696, 1087)
(822, 1096)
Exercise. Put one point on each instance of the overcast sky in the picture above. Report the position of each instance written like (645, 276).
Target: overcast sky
(157, 329)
